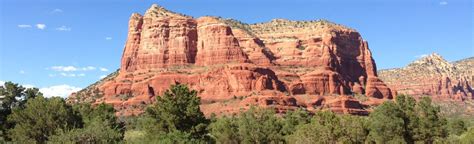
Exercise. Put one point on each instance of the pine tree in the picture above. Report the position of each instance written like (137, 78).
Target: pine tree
(177, 112)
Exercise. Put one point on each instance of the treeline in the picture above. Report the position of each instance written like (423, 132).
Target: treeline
(28, 117)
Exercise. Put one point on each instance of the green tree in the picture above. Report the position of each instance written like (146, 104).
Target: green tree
(30, 93)
(354, 129)
(327, 127)
(13, 96)
(225, 130)
(41, 118)
(407, 121)
(177, 112)
(101, 112)
(100, 126)
(456, 126)
(96, 131)
(10, 94)
(293, 119)
(387, 124)
(431, 126)
(407, 105)
(260, 126)
(324, 128)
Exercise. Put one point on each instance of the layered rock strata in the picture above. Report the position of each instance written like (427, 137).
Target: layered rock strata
(281, 64)
(432, 76)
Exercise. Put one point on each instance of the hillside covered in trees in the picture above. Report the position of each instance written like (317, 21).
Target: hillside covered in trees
(175, 117)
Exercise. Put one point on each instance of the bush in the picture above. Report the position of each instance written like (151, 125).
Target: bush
(41, 118)
(225, 130)
(100, 126)
(407, 121)
(177, 113)
(96, 131)
(468, 137)
(327, 127)
(260, 126)
(13, 96)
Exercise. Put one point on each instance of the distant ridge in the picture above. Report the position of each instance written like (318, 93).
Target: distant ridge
(434, 76)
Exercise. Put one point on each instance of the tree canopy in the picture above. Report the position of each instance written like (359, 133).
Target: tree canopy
(175, 117)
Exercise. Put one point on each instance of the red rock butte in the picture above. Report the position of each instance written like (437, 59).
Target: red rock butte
(281, 64)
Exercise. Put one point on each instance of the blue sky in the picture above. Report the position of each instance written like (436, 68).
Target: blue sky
(71, 44)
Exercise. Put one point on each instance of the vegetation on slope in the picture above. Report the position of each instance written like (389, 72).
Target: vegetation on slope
(28, 117)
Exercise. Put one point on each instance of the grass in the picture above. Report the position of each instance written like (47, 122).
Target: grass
(361, 97)
(134, 136)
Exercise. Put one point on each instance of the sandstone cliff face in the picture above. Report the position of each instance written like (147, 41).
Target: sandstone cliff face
(280, 64)
(159, 39)
(466, 68)
(432, 76)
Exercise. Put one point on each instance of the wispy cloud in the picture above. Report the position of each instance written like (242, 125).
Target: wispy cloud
(73, 71)
(421, 56)
(72, 74)
(67, 74)
(57, 11)
(102, 76)
(443, 3)
(59, 90)
(41, 26)
(64, 68)
(103, 69)
(108, 38)
(22, 72)
(63, 28)
(24, 26)
(88, 68)
(71, 68)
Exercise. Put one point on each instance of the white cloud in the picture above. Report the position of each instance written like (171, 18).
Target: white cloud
(72, 74)
(41, 26)
(63, 28)
(108, 38)
(57, 11)
(22, 72)
(24, 26)
(64, 68)
(59, 90)
(443, 3)
(72, 71)
(71, 68)
(67, 75)
(102, 76)
(88, 68)
(104, 69)
(28, 86)
(421, 56)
